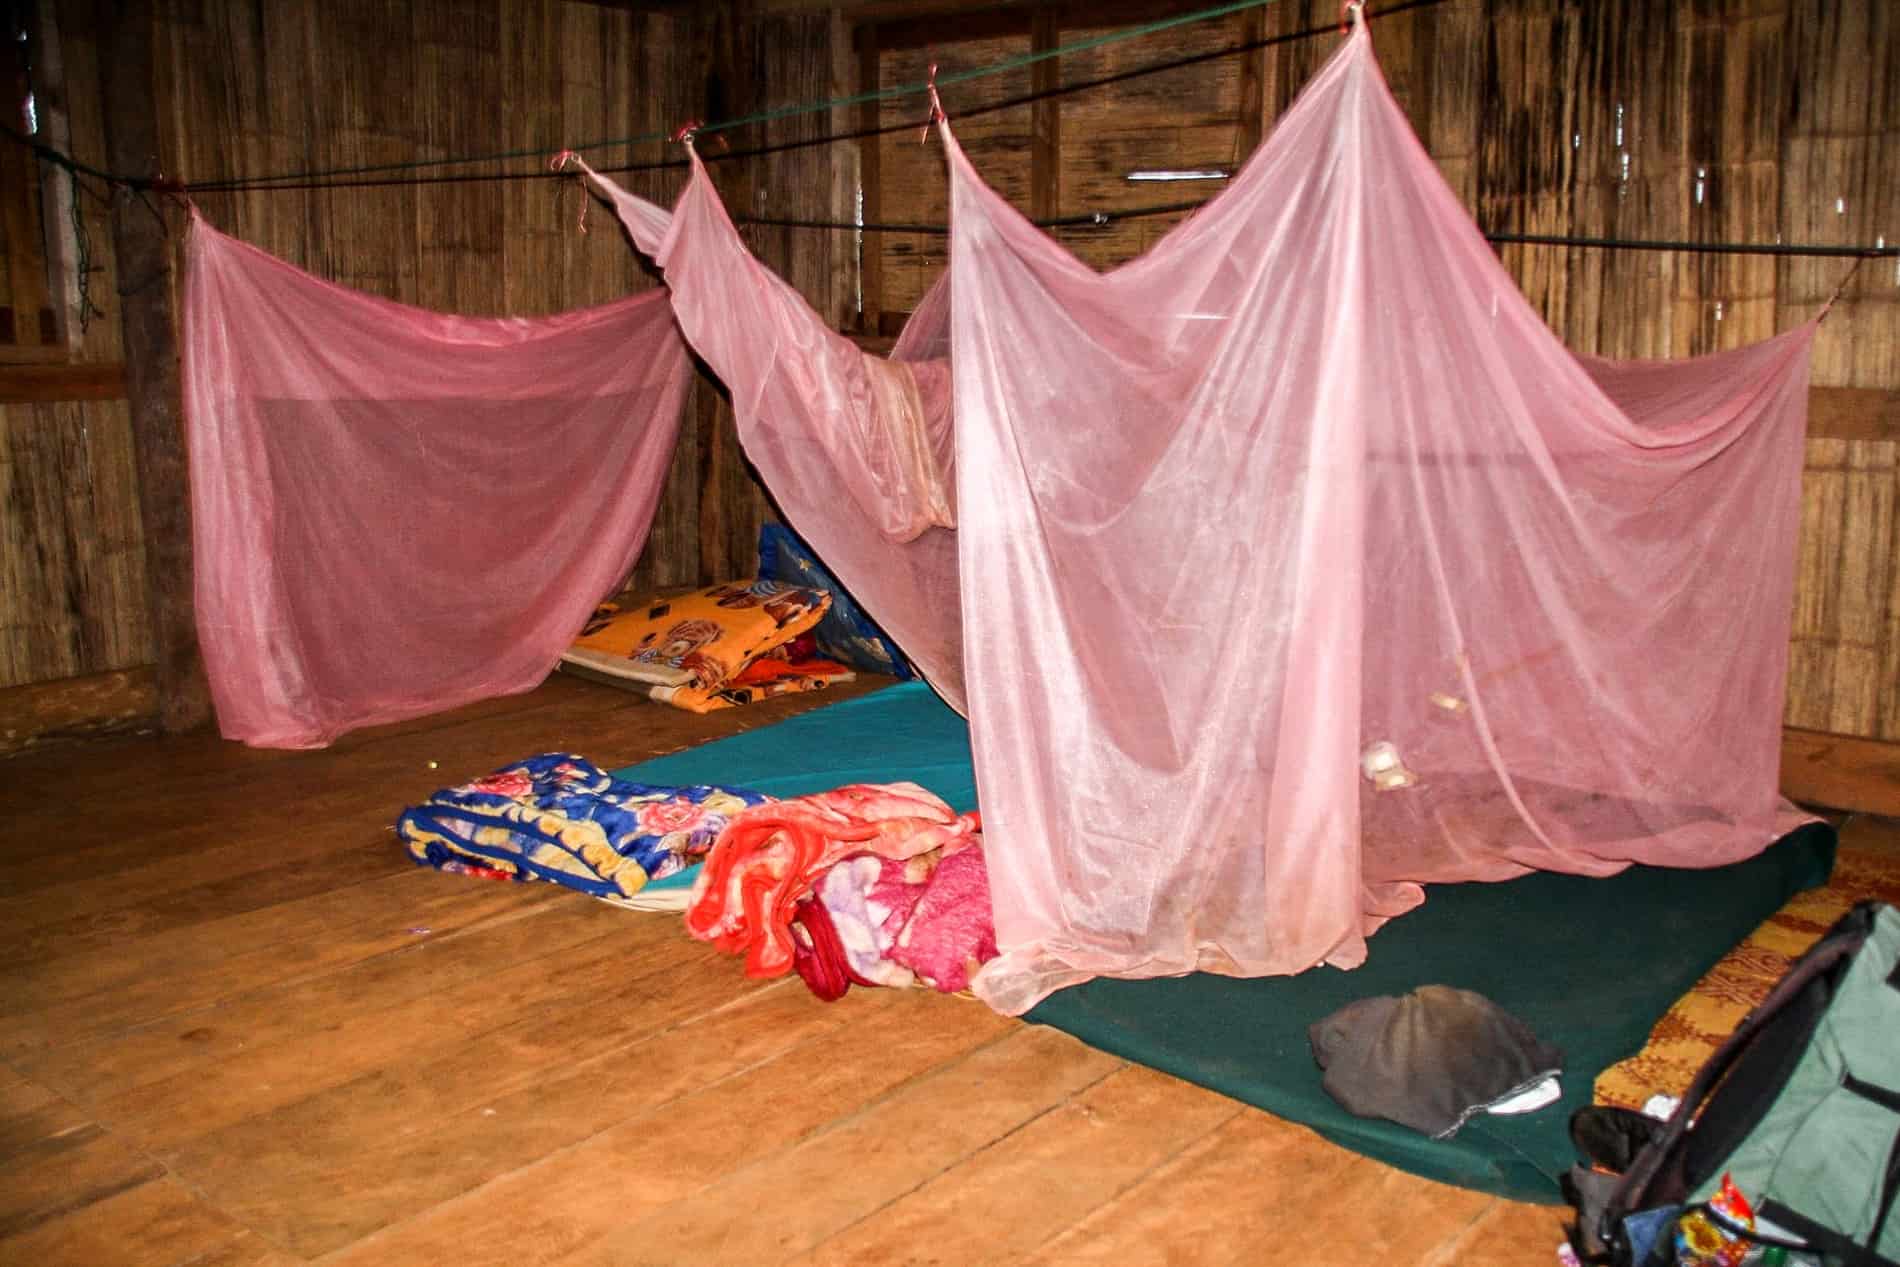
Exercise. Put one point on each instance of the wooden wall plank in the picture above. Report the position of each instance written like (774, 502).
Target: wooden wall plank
(1788, 112)
(1853, 413)
(914, 177)
(72, 708)
(1840, 772)
(31, 384)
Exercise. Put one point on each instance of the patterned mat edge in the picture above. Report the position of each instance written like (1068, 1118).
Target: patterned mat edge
(1697, 1023)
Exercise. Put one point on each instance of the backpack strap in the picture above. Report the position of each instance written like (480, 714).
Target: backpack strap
(1889, 1189)
(1826, 1239)
(1839, 944)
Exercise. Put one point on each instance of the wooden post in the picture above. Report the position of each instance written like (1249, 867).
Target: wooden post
(1045, 119)
(1253, 86)
(870, 181)
(139, 239)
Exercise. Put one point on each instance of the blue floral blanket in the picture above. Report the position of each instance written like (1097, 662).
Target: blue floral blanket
(560, 818)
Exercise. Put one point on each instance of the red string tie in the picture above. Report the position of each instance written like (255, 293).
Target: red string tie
(936, 106)
(560, 161)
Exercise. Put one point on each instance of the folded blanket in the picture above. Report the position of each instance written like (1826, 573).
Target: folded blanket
(764, 678)
(766, 860)
(560, 818)
(901, 921)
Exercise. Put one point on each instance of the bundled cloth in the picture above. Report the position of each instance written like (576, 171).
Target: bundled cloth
(769, 857)
(923, 920)
(561, 818)
(1433, 1058)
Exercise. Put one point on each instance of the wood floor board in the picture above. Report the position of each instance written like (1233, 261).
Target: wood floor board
(64, 1173)
(239, 1029)
(200, 771)
(31, 1112)
(520, 1215)
(153, 1222)
(354, 1042)
(862, 1164)
(39, 940)
(356, 1168)
(1033, 1182)
(103, 994)
(1504, 1235)
(1246, 1182)
(131, 1060)
(705, 1116)
(100, 868)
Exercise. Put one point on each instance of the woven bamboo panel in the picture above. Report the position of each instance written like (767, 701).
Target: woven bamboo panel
(1711, 120)
(914, 181)
(1181, 119)
(1840, 182)
(71, 551)
(72, 575)
(1723, 120)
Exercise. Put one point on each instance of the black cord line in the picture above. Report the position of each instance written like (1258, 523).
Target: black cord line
(1095, 219)
(1098, 219)
(234, 184)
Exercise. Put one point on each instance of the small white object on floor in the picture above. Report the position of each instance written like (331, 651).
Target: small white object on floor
(1661, 1107)
(1533, 1097)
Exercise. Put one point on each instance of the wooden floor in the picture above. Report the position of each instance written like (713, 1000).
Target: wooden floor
(238, 1026)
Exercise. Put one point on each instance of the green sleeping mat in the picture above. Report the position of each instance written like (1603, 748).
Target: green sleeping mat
(1589, 964)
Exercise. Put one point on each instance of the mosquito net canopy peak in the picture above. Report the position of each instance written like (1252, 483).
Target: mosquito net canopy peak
(1290, 567)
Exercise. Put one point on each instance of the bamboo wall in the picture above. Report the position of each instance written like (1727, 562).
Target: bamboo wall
(250, 89)
(357, 83)
(1783, 115)
(1749, 120)
(72, 565)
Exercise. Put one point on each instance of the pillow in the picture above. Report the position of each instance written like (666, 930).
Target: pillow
(845, 634)
(698, 640)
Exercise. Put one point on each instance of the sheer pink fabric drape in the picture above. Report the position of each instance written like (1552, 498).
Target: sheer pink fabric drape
(398, 511)
(1298, 564)
(856, 449)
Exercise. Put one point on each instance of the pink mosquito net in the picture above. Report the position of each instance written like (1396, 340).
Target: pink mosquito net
(856, 449)
(397, 511)
(1296, 565)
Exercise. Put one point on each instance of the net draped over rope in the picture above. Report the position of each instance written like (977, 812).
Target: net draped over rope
(397, 511)
(1290, 567)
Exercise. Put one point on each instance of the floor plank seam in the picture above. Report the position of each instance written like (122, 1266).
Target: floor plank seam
(962, 1159)
(27, 1220)
(503, 1086)
(798, 1141)
(204, 1198)
(1239, 1110)
(1442, 1257)
(211, 1013)
(895, 1089)
(548, 1158)
(282, 983)
(225, 1003)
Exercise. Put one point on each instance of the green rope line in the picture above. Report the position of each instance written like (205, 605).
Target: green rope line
(762, 116)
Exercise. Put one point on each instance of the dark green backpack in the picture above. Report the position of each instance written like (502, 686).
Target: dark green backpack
(1801, 1107)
